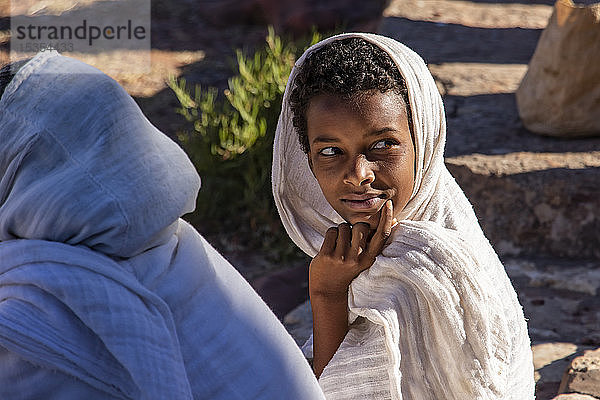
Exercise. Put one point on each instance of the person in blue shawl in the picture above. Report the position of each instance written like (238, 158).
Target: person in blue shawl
(105, 292)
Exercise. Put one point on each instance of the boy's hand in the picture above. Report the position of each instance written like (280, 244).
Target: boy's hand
(345, 253)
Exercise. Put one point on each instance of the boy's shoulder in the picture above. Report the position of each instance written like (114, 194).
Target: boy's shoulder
(423, 235)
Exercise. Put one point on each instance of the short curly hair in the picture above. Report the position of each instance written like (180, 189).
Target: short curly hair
(343, 67)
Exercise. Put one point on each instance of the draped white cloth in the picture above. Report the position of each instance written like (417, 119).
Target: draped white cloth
(436, 316)
(104, 291)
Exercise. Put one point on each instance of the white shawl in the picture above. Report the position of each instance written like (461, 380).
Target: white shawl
(436, 316)
(104, 291)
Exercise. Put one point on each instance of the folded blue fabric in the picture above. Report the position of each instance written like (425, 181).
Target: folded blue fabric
(104, 291)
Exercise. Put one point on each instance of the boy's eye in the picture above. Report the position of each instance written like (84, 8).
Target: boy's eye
(329, 151)
(384, 144)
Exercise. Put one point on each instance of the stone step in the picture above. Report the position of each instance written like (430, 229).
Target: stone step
(551, 361)
(531, 203)
(560, 298)
(483, 14)
(583, 375)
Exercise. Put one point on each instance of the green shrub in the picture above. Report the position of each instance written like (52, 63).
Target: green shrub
(230, 142)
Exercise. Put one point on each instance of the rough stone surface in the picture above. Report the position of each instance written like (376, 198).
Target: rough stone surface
(532, 203)
(550, 360)
(577, 277)
(484, 14)
(560, 94)
(282, 289)
(583, 375)
(299, 323)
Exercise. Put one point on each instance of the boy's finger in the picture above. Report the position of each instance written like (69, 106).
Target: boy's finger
(360, 234)
(343, 240)
(328, 245)
(384, 229)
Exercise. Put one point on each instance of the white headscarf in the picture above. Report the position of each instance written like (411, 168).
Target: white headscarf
(104, 291)
(440, 317)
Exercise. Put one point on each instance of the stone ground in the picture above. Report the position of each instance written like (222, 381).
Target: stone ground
(478, 52)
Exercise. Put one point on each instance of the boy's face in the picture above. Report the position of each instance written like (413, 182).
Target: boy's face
(362, 153)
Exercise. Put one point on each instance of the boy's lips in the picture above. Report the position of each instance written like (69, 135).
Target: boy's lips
(365, 201)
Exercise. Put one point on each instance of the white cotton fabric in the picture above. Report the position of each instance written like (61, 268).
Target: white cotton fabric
(105, 293)
(436, 316)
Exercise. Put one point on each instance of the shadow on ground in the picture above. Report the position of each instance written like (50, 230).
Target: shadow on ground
(438, 42)
(490, 124)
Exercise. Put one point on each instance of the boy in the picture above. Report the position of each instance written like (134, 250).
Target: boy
(423, 310)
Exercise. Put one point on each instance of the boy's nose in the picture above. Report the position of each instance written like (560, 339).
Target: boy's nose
(359, 172)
